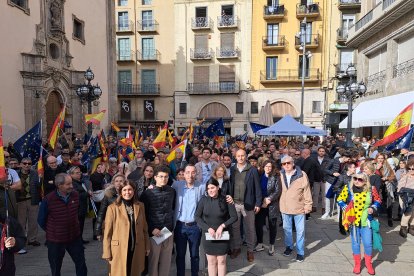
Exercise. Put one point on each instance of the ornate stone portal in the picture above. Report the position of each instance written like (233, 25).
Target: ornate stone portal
(48, 69)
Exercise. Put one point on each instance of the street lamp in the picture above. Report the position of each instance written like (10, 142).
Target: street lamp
(302, 35)
(89, 93)
(351, 91)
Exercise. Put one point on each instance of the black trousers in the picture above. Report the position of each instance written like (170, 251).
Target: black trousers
(56, 252)
(82, 224)
(260, 221)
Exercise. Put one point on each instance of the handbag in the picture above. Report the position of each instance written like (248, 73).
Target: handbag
(330, 193)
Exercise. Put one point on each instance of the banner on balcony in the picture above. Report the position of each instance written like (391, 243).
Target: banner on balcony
(149, 110)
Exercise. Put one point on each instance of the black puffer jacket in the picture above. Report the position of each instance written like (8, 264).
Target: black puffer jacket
(109, 198)
(159, 208)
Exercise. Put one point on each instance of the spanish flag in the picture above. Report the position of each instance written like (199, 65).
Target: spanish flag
(94, 118)
(101, 140)
(55, 129)
(161, 139)
(191, 132)
(170, 139)
(115, 127)
(180, 146)
(348, 216)
(398, 127)
(40, 167)
(3, 175)
(138, 137)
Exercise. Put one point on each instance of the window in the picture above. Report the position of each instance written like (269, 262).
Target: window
(227, 77)
(147, 20)
(183, 108)
(122, 2)
(124, 49)
(316, 107)
(201, 12)
(271, 68)
(148, 48)
(239, 107)
(227, 45)
(227, 10)
(125, 110)
(272, 34)
(201, 46)
(124, 81)
(201, 78)
(123, 22)
(307, 61)
(148, 82)
(347, 57)
(201, 20)
(254, 107)
(78, 30)
(21, 4)
(377, 62)
(405, 48)
(273, 3)
(308, 29)
(146, 2)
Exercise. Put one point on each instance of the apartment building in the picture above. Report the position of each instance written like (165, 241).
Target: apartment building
(383, 37)
(212, 66)
(145, 33)
(280, 30)
(46, 47)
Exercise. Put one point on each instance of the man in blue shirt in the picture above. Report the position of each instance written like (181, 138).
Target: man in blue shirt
(188, 194)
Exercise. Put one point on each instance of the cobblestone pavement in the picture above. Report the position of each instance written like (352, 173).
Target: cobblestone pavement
(327, 253)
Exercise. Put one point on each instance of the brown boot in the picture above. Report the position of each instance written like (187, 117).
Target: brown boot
(411, 230)
(250, 256)
(235, 253)
(403, 231)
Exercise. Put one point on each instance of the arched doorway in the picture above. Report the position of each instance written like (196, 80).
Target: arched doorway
(214, 111)
(280, 109)
(53, 107)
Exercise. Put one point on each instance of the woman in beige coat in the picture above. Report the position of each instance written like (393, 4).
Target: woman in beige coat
(126, 240)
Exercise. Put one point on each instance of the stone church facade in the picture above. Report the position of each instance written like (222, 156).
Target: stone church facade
(46, 47)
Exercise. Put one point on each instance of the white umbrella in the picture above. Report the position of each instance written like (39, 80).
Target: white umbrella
(266, 116)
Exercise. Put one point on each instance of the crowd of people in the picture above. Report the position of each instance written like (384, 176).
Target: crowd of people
(212, 195)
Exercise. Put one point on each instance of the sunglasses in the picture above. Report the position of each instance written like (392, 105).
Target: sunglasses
(25, 163)
(286, 163)
(410, 169)
(358, 179)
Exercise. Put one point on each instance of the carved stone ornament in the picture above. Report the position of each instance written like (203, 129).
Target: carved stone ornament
(56, 15)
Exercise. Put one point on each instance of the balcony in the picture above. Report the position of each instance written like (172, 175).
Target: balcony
(126, 26)
(274, 43)
(403, 69)
(289, 75)
(201, 23)
(227, 53)
(125, 56)
(342, 35)
(308, 11)
(377, 78)
(138, 89)
(147, 26)
(348, 5)
(201, 54)
(311, 41)
(148, 55)
(227, 22)
(340, 69)
(225, 87)
(274, 12)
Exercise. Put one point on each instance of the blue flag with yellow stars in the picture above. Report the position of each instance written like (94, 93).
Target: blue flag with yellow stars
(30, 143)
(215, 129)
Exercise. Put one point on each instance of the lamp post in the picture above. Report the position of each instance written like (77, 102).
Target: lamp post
(302, 35)
(351, 91)
(89, 93)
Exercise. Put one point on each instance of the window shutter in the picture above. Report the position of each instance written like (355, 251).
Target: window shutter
(227, 41)
(201, 74)
(226, 73)
(201, 42)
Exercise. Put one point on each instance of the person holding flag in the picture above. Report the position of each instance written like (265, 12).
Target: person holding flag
(176, 159)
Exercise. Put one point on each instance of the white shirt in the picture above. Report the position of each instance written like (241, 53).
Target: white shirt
(12, 176)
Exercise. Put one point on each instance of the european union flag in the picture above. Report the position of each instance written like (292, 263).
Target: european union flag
(242, 137)
(215, 129)
(92, 152)
(402, 142)
(29, 145)
(256, 127)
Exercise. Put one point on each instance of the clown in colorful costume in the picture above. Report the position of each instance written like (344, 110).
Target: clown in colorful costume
(360, 202)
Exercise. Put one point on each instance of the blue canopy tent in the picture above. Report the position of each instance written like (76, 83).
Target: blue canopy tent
(287, 126)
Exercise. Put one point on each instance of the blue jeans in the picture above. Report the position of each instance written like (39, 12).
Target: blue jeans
(359, 233)
(182, 234)
(300, 232)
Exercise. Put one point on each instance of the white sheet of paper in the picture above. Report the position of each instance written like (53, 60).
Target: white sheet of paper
(225, 236)
(165, 234)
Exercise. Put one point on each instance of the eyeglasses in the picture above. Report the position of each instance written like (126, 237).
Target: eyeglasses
(286, 163)
(297, 154)
(25, 163)
(361, 180)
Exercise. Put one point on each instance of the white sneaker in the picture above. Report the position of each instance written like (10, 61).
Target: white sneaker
(22, 251)
(259, 248)
(325, 216)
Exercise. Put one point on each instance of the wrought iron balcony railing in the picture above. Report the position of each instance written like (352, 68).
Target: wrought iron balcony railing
(342, 34)
(403, 68)
(227, 52)
(349, 4)
(271, 12)
(125, 56)
(311, 41)
(376, 78)
(148, 25)
(201, 53)
(126, 89)
(213, 87)
(148, 55)
(227, 21)
(309, 10)
(274, 42)
(201, 23)
(125, 26)
(289, 75)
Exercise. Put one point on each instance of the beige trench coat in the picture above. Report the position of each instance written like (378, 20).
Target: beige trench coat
(115, 239)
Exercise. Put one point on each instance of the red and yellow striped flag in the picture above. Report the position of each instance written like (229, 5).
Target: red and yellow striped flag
(55, 129)
(115, 127)
(40, 167)
(3, 175)
(94, 118)
(161, 139)
(399, 126)
(170, 139)
(173, 152)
